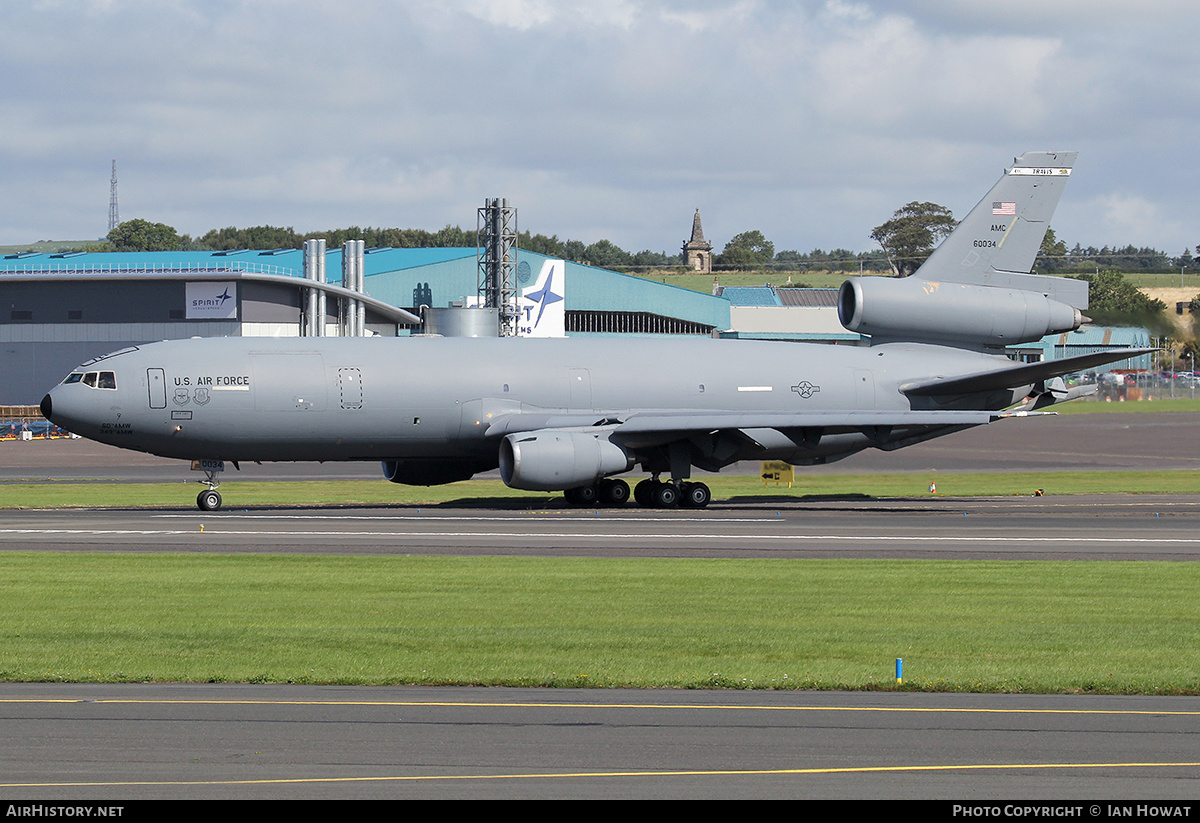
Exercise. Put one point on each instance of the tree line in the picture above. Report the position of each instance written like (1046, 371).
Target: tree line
(748, 250)
(905, 241)
(915, 229)
(142, 235)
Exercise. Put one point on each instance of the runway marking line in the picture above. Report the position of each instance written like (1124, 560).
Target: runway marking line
(758, 538)
(548, 705)
(649, 773)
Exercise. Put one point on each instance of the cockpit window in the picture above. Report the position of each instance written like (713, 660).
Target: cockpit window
(97, 380)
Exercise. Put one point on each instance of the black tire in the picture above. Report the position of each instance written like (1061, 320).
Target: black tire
(666, 496)
(208, 501)
(643, 493)
(582, 495)
(614, 492)
(695, 495)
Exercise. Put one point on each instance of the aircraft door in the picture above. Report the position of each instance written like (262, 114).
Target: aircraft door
(156, 385)
(864, 389)
(350, 389)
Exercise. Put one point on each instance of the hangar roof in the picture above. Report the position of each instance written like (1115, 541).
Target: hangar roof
(783, 296)
(1103, 337)
(405, 278)
(808, 298)
(750, 296)
(271, 261)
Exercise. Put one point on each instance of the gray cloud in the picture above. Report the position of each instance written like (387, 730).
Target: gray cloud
(811, 121)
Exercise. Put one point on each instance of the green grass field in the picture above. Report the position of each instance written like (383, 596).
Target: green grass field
(1182, 403)
(704, 282)
(990, 626)
(474, 493)
(1120, 627)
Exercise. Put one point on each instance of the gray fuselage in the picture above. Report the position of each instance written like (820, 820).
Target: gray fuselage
(246, 399)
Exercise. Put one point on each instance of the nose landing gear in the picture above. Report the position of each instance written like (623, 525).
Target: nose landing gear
(209, 500)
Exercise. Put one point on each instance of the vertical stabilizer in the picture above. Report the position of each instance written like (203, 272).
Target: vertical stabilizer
(997, 243)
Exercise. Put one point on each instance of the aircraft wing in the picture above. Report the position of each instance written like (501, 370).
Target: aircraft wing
(668, 424)
(1019, 374)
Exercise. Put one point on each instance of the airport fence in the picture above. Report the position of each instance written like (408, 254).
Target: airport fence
(1129, 384)
(27, 423)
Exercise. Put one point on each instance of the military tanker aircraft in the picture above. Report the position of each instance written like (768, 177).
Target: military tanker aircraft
(571, 414)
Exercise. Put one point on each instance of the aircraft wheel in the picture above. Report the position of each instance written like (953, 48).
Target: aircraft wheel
(614, 492)
(695, 495)
(582, 495)
(208, 501)
(665, 496)
(643, 493)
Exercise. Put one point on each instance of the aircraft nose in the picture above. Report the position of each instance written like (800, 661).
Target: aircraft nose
(60, 410)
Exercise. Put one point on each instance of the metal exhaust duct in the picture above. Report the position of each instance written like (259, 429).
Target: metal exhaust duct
(353, 270)
(313, 321)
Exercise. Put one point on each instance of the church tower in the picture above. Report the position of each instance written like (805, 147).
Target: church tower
(697, 252)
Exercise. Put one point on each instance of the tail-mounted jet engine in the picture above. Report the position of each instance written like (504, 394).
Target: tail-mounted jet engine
(919, 310)
(552, 460)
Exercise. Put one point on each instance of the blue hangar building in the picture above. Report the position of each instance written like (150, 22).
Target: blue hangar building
(58, 310)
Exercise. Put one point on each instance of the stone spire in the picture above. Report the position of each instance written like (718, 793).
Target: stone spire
(697, 252)
(697, 231)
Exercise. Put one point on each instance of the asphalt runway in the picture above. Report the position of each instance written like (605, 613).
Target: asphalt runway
(131, 742)
(126, 742)
(1096, 527)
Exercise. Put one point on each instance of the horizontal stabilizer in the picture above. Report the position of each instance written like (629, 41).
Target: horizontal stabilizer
(1019, 374)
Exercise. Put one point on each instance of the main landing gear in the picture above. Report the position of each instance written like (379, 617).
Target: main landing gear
(650, 493)
(607, 492)
(653, 493)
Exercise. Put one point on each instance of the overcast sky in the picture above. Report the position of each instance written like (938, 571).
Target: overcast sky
(811, 121)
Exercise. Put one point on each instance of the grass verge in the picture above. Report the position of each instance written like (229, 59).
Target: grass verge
(1182, 403)
(735, 488)
(1117, 627)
